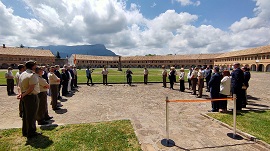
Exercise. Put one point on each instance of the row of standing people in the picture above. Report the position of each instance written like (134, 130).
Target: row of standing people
(219, 84)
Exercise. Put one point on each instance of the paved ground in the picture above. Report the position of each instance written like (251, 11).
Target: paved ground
(144, 105)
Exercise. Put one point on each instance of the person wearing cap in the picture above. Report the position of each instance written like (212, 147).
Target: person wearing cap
(145, 75)
(237, 81)
(182, 79)
(29, 89)
(10, 81)
(200, 82)
(214, 85)
(42, 113)
(194, 79)
(172, 77)
(164, 76)
(104, 73)
(246, 84)
(21, 68)
(54, 82)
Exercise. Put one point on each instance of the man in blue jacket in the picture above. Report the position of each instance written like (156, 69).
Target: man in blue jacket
(236, 85)
(214, 86)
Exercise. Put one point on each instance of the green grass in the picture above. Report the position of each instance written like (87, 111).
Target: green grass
(256, 123)
(105, 136)
(114, 76)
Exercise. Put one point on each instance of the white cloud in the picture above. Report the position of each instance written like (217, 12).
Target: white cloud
(188, 2)
(126, 31)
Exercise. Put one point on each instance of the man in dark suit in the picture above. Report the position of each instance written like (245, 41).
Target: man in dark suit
(214, 86)
(236, 85)
(58, 74)
(208, 73)
(73, 77)
(64, 82)
(67, 75)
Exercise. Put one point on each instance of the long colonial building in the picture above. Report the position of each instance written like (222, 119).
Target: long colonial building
(258, 59)
(11, 56)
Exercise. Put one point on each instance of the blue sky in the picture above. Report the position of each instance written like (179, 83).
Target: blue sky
(138, 27)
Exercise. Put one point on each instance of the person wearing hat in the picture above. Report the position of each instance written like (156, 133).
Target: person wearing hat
(214, 85)
(172, 77)
(29, 89)
(10, 81)
(182, 79)
(54, 82)
(237, 82)
(21, 68)
(194, 80)
(164, 76)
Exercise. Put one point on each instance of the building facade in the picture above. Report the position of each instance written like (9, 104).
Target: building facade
(12, 57)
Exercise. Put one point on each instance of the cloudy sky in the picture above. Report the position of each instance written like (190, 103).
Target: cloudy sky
(138, 27)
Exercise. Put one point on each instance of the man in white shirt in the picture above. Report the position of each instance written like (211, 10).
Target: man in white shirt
(10, 81)
(105, 75)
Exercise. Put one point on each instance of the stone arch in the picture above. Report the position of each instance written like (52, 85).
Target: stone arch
(253, 67)
(267, 68)
(260, 67)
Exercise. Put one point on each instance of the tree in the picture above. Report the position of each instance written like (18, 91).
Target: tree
(21, 46)
(58, 55)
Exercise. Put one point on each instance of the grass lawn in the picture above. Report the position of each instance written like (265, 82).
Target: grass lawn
(116, 135)
(256, 123)
(114, 76)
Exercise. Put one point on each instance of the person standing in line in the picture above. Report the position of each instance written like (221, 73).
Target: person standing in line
(164, 76)
(45, 73)
(172, 77)
(69, 78)
(64, 82)
(72, 77)
(182, 79)
(54, 84)
(10, 81)
(200, 82)
(145, 75)
(29, 89)
(42, 113)
(89, 77)
(189, 78)
(194, 80)
(58, 74)
(129, 76)
(246, 85)
(21, 68)
(237, 82)
(75, 77)
(105, 75)
(214, 85)
(208, 73)
(225, 90)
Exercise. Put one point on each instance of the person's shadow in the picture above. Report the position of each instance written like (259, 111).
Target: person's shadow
(39, 142)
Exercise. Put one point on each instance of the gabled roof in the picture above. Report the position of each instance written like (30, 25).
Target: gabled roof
(251, 51)
(25, 52)
(90, 57)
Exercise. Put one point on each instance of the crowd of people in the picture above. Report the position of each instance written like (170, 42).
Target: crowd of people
(36, 83)
(220, 83)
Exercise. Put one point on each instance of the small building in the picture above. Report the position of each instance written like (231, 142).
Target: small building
(12, 56)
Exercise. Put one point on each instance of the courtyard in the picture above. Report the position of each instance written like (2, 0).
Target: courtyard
(144, 105)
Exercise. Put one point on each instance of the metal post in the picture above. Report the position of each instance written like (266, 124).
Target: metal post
(234, 115)
(167, 120)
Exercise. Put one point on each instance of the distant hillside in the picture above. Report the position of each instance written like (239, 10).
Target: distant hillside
(95, 50)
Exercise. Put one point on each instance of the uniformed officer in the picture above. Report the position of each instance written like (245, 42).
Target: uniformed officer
(21, 68)
(29, 89)
(54, 85)
(10, 81)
